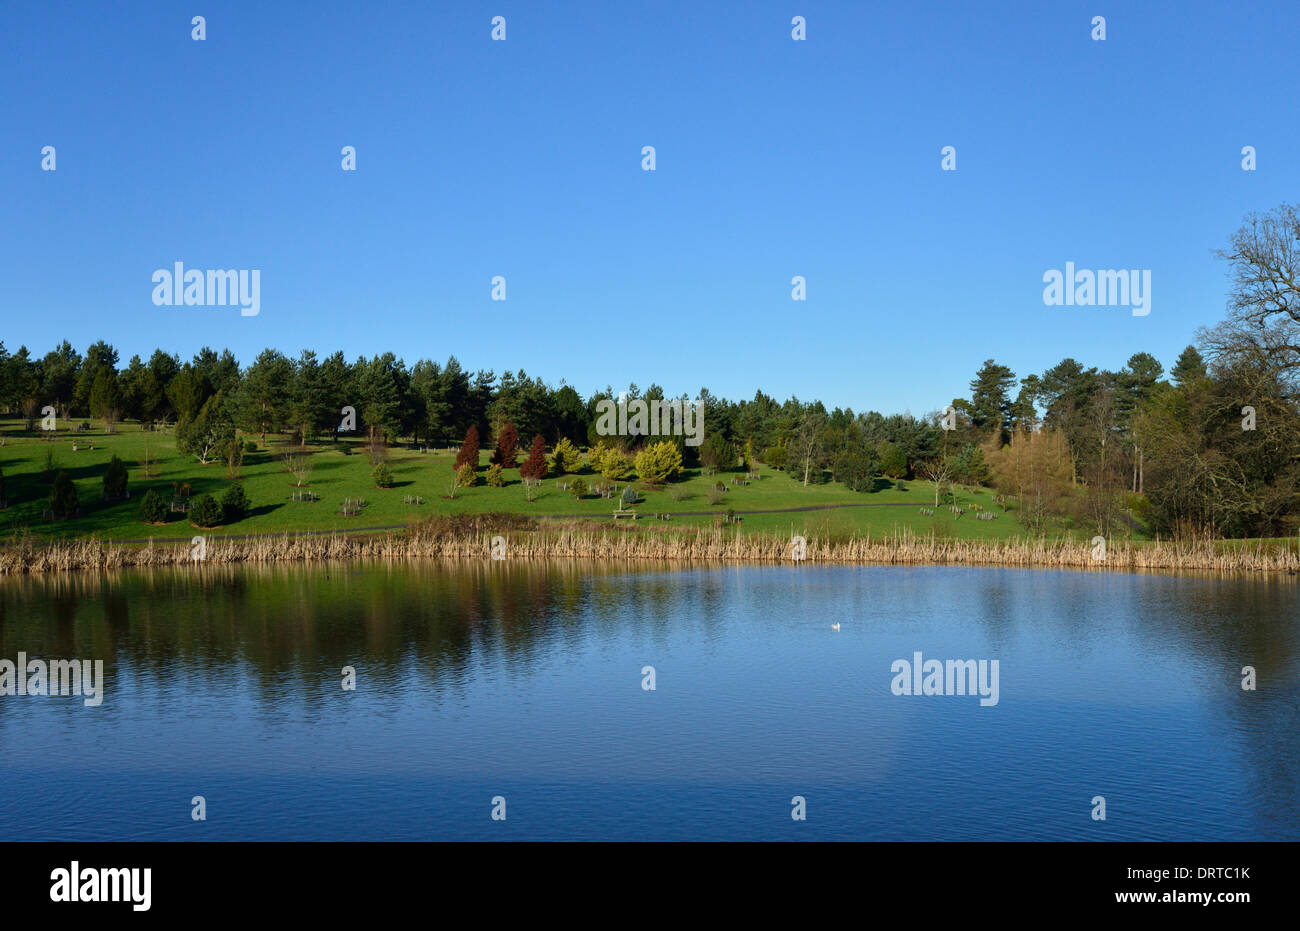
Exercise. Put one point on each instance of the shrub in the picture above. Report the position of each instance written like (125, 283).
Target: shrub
(714, 496)
(383, 476)
(609, 461)
(234, 503)
(628, 498)
(495, 476)
(1137, 504)
(115, 480)
(466, 475)
(63, 497)
(250, 446)
(776, 457)
(233, 453)
(567, 458)
(658, 463)
(856, 468)
(153, 509)
(578, 488)
(205, 512)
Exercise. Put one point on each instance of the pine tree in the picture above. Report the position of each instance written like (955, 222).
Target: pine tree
(507, 446)
(63, 497)
(468, 454)
(535, 465)
(1189, 368)
(115, 480)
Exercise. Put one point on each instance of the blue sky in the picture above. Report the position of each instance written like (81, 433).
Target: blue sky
(522, 158)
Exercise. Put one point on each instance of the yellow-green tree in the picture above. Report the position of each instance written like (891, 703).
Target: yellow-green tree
(659, 462)
(609, 461)
(566, 458)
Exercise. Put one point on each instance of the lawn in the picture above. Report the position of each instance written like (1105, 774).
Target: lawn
(336, 475)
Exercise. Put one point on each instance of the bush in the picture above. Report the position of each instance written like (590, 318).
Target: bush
(495, 476)
(115, 480)
(234, 503)
(1137, 504)
(466, 475)
(205, 512)
(628, 498)
(609, 461)
(567, 459)
(63, 497)
(775, 456)
(153, 509)
(383, 476)
(250, 446)
(857, 469)
(658, 463)
(578, 488)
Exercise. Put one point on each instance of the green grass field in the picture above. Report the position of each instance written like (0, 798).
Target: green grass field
(336, 475)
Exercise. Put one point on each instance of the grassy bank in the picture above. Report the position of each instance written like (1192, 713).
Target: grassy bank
(471, 537)
(773, 503)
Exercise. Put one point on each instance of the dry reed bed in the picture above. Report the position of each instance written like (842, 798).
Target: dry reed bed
(473, 540)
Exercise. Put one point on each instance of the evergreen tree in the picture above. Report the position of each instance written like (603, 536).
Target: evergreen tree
(115, 480)
(535, 465)
(63, 497)
(1189, 368)
(990, 400)
(507, 446)
(468, 455)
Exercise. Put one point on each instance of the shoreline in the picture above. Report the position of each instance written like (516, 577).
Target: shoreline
(474, 538)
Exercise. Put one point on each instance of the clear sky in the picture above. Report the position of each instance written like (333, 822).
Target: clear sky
(522, 158)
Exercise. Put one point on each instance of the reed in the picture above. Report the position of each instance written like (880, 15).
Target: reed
(469, 537)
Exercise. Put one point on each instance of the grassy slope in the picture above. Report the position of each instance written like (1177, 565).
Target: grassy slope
(336, 476)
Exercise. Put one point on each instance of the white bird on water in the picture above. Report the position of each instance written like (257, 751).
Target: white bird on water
(835, 626)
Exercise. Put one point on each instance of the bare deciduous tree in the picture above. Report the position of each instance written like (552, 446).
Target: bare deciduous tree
(1263, 325)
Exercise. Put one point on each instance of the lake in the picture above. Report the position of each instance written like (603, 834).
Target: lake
(527, 684)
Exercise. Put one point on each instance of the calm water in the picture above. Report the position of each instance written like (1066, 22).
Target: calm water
(525, 682)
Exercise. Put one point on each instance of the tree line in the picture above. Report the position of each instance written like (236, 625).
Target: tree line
(1210, 447)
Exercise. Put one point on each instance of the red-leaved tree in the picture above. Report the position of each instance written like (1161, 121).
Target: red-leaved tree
(468, 449)
(507, 446)
(535, 465)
